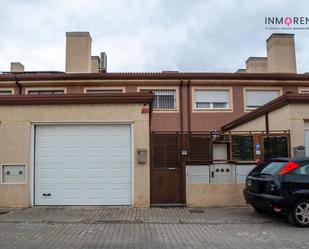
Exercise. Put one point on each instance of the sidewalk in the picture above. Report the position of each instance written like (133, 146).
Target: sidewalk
(159, 228)
(93, 215)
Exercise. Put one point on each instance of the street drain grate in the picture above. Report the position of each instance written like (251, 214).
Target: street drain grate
(198, 211)
(4, 212)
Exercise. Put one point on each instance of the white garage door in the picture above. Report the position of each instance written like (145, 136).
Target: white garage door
(82, 165)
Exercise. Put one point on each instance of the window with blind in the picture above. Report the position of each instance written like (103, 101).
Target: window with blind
(257, 98)
(5, 92)
(39, 92)
(164, 99)
(212, 99)
(104, 90)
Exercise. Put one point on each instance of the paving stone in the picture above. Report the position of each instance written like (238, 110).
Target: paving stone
(98, 227)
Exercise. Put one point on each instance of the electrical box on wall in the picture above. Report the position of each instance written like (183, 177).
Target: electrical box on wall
(222, 173)
(242, 171)
(141, 156)
(299, 151)
(13, 174)
(197, 174)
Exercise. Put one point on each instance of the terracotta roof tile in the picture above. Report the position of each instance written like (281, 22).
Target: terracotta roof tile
(152, 76)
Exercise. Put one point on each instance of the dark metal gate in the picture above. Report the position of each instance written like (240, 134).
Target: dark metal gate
(170, 152)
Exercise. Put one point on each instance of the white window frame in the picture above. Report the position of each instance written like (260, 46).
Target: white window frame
(32, 157)
(64, 89)
(123, 89)
(176, 89)
(300, 89)
(245, 89)
(6, 90)
(229, 107)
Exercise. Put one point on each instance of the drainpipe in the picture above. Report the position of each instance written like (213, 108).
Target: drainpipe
(150, 134)
(181, 107)
(266, 123)
(150, 117)
(183, 145)
(266, 151)
(189, 106)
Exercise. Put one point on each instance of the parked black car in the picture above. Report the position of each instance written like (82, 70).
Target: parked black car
(281, 186)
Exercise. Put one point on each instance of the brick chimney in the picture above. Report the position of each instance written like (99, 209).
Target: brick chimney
(281, 53)
(17, 67)
(256, 65)
(95, 64)
(78, 52)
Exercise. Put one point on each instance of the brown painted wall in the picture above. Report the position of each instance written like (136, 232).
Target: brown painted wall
(215, 195)
(171, 121)
(131, 89)
(290, 89)
(202, 121)
(165, 121)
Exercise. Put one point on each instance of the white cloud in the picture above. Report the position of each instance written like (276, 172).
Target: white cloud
(141, 35)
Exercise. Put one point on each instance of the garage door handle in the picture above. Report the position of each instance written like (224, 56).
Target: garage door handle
(171, 168)
(46, 194)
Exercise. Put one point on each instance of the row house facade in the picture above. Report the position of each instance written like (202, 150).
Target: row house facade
(168, 146)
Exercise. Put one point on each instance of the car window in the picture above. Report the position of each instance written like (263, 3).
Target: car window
(270, 168)
(303, 170)
(273, 168)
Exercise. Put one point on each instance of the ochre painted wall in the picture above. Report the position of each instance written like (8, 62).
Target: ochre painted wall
(215, 195)
(15, 142)
(291, 117)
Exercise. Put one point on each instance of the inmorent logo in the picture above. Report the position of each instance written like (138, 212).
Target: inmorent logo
(285, 22)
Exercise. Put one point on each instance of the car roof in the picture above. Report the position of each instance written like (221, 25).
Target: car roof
(291, 159)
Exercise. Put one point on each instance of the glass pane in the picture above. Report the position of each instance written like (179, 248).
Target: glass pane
(242, 148)
(201, 105)
(272, 168)
(209, 105)
(219, 105)
(256, 98)
(304, 170)
(306, 91)
(275, 147)
(253, 106)
(164, 99)
(6, 92)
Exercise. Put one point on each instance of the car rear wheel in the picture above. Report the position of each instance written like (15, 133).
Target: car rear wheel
(299, 215)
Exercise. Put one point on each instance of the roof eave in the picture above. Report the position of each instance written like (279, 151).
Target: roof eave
(267, 108)
(117, 98)
(153, 76)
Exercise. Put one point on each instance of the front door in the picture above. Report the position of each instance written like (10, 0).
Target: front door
(166, 170)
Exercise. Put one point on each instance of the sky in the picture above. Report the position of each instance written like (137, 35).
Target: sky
(143, 35)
